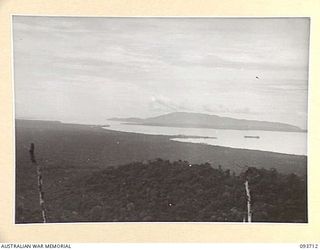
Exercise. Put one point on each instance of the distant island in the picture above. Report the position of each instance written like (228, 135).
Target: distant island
(197, 120)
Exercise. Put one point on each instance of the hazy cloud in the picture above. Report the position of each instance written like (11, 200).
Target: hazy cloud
(147, 66)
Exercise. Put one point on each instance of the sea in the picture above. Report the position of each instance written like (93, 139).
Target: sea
(273, 141)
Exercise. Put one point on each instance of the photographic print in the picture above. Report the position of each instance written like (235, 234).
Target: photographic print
(160, 119)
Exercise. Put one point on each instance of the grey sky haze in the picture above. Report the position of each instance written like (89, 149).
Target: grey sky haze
(89, 69)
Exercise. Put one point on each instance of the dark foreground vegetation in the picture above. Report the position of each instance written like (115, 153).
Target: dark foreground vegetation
(179, 191)
(91, 174)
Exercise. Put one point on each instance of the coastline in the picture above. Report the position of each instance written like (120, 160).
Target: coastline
(106, 147)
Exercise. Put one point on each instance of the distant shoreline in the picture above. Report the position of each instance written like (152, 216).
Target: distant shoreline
(106, 147)
(202, 120)
(209, 127)
(157, 125)
(173, 138)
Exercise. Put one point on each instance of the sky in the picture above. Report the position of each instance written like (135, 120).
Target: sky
(81, 69)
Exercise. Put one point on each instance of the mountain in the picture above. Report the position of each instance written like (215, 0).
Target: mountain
(196, 120)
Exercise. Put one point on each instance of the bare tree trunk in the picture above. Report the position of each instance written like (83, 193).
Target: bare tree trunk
(246, 184)
(41, 193)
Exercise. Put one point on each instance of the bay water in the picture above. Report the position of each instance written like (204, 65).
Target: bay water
(272, 141)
